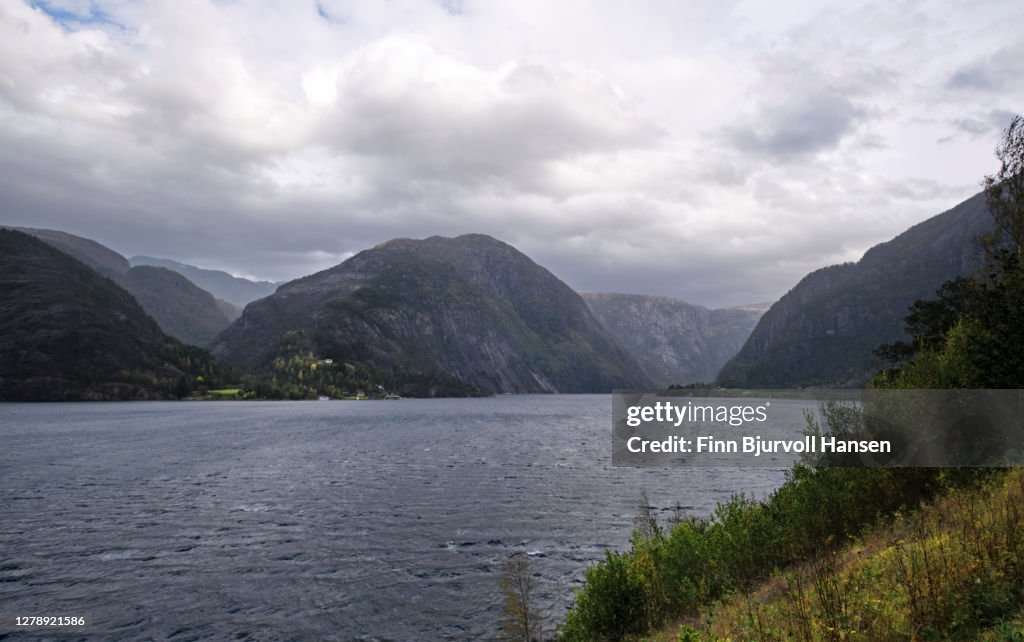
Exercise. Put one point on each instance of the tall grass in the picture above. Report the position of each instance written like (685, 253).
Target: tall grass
(674, 574)
(953, 570)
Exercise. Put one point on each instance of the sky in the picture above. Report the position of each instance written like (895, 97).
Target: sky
(714, 151)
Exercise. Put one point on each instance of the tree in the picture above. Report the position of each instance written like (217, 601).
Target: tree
(520, 621)
(1004, 190)
(971, 336)
(181, 390)
(645, 523)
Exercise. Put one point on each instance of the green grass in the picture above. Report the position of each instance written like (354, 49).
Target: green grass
(951, 570)
(224, 392)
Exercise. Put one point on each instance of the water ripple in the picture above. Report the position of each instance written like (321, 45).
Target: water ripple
(342, 520)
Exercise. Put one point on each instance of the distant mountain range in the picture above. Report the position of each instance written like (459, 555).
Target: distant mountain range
(823, 331)
(182, 309)
(470, 308)
(230, 288)
(449, 316)
(470, 311)
(68, 333)
(674, 342)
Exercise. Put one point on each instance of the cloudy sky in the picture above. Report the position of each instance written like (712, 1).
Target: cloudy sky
(711, 150)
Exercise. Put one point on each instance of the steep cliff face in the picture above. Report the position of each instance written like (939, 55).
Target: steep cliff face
(68, 333)
(674, 342)
(470, 308)
(823, 331)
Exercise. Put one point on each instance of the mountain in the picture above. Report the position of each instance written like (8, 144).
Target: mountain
(759, 308)
(229, 310)
(469, 309)
(823, 331)
(182, 309)
(222, 285)
(99, 257)
(68, 333)
(675, 342)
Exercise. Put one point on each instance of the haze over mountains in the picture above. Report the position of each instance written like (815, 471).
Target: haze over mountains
(220, 284)
(675, 342)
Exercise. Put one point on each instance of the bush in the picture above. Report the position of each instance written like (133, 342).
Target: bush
(611, 604)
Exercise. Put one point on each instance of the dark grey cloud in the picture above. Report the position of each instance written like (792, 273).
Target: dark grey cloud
(990, 73)
(1000, 118)
(972, 126)
(986, 126)
(711, 151)
(973, 78)
(433, 118)
(803, 124)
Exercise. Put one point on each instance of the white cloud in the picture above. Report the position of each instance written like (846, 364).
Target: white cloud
(713, 151)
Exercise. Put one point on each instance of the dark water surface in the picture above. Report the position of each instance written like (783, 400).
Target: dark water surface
(314, 520)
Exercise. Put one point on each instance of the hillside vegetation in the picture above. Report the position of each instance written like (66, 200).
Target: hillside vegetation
(953, 569)
(441, 316)
(180, 307)
(858, 553)
(68, 333)
(182, 310)
(824, 331)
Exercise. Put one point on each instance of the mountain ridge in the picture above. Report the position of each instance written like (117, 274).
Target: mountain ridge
(180, 307)
(471, 307)
(233, 289)
(93, 253)
(68, 332)
(825, 329)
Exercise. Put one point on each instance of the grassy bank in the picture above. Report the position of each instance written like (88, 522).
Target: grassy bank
(951, 570)
(948, 566)
(675, 571)
(854, 553)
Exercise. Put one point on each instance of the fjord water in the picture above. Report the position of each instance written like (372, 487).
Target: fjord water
(315, 520)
